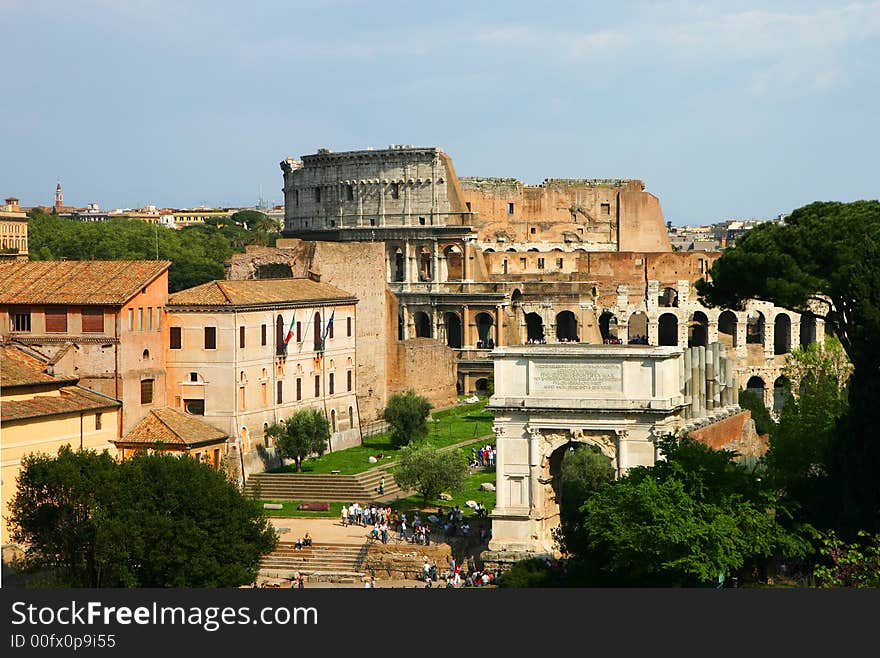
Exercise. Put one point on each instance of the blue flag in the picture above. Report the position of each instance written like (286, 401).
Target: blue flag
(329, 324)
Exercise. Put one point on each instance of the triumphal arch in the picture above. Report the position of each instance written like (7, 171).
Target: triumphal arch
(620, 398)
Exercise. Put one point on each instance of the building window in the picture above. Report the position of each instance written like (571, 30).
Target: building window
(97, 421)
(194, 376)
(146, 355)
(296, 197)
(158, 318)
(241, 337)
(317, 386)
(131, 319)
(333, 420)
(349, 378)
(509, 208)
(330, 335)
(350, 193)
(149, 318)
(559, 263)
(422, 221)
(348, 325)
(299, 389)
(147, 391)
(20, 320)
(606, 208)
(468, 204)
(395, 190)
(56, 320)
(317, 195)
(330, 383)
(242, 397)
(194, 407)
(533, 230)
(92, 320)
(263, 334)
(210, 338)
(522, 263)
(265, 393)
(279, 392)
(299, 332)
(174, 338)
(140, 319)
(540, 263)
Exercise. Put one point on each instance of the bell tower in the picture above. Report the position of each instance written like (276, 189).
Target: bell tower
(59, 197)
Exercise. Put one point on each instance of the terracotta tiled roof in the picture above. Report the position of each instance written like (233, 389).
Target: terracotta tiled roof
(76, 282)
(73, 399)
(20, 369)
(257, 291)
(173, 428)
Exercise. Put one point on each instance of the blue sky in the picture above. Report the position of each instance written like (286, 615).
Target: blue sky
(724, 109)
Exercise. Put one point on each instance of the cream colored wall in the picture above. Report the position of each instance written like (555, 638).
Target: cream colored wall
(219, 371)
(21, 438)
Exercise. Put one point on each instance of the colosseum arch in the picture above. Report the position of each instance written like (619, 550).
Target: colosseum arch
(452, 323)
(781, 391)
(667, 330)
(608, 326)
(422, 323)
(698, 330)
(566, 326)
(668, 298)
(454, 262)
(782, 334)
(756, 385)
(727, 323)
(484, 323)
(534, 327)
(808, 329)
(399, 266)
(755, 328)
(637, 329)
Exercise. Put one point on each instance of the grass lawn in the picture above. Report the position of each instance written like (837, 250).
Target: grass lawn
(470, 491)
(447, 427)
(289, 509)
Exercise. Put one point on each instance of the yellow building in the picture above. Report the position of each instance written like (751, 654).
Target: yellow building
(243, 355)
(39, 413)
(13, 230)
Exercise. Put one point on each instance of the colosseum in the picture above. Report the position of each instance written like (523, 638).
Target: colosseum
(477, 263)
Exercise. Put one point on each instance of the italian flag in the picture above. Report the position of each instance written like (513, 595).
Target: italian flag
(290, 329)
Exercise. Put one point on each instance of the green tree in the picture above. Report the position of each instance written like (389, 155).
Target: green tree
(430, 471)
(585, 470)
(407, 416)
(800, 449)
(825, 256)
(691, 517)
(853, 564)
(305, 433)
(155, 520)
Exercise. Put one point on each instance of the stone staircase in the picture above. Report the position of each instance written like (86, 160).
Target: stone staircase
(320, 562)
(362, 487)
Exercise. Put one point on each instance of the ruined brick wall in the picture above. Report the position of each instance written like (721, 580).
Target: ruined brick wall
(428, 366)
(641, 227)
(736, 433)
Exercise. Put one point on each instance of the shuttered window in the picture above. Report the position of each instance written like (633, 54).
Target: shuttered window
(93, 320)
(174, 334)
(147, 391)
(210, 338)
(56, 320)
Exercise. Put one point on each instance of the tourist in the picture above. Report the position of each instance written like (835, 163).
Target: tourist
(344, 516)
(382, 486)
(307, 539)
(384, 533)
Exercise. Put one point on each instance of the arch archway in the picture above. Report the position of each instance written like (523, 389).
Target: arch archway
(422, 324)
(755, 328)
(782, 334)
(637, 329)
(484, 324)
(454, 262)
(481, 386)
(756, 385)
(566, 327)
(667, 330)
(245, 439)
(608, 327)
(399, 272)
(453, 330)
(426, 268)
(781, 392)
(698, 330)
(333, 420)
(516, 297)
(534, 328)
(668, 298)
(808, 329)
(727, 328)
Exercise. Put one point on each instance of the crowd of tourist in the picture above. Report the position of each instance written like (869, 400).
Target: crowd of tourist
(485, 456)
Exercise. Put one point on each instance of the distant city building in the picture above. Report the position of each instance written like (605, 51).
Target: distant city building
(13, 230)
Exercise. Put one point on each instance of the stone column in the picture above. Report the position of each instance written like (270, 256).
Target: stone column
(465, 327)
(710, 378)
(820, 331)
(435, 262)
(769, 331)
(381, 189)
(701, 353)
(499, 318)
(688, 367)
(653, 331)
(742, 321)
(622, 452)
(695, 382)
(653, 293)
(501, 440)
